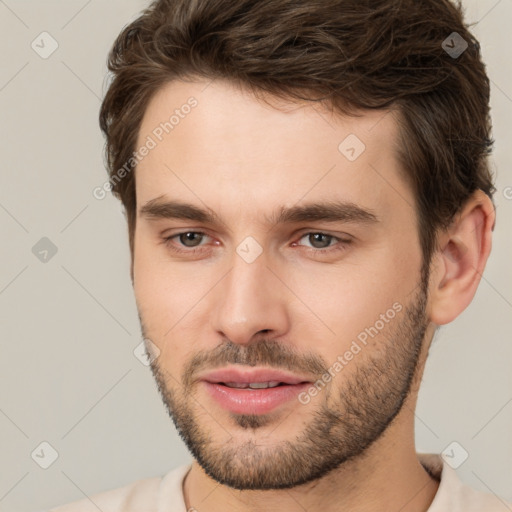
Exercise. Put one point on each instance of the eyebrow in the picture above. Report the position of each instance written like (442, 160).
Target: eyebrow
(328, 211)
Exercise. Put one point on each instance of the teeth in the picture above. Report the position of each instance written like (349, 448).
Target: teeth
(253, 385)
(236, 385)
(263, 385)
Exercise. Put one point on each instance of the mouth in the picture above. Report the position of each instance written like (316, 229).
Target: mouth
(255, 391)
(253, 385)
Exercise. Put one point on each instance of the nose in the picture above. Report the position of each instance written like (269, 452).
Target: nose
(249, 301)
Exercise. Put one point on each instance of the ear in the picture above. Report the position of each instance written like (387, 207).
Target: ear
(460, 261)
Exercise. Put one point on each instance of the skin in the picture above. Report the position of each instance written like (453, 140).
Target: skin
(294, 306)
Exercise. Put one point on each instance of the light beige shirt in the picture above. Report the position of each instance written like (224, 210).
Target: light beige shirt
(165, 494)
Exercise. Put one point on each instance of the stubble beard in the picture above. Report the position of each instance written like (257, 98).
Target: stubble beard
(342, 427)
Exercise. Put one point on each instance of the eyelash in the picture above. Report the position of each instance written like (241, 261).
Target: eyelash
(341, 246)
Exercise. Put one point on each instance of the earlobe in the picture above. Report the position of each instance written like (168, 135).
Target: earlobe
(460, 261)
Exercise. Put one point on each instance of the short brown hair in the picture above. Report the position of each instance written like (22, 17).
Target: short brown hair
(350, 54)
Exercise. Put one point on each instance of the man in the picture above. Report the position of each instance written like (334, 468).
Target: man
(308, 199)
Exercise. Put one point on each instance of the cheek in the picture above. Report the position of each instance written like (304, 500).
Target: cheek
(157, 287)
(172, 302)
(342, 305)
(347, 301)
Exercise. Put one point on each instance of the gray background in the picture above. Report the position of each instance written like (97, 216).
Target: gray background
(68, 374)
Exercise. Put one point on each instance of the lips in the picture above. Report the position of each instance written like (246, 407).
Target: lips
(254, 391)
(240, 378)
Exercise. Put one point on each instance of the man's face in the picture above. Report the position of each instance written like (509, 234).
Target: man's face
(336, 305)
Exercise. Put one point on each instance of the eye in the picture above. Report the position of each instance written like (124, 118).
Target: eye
(188, 239)
(322, 242)
(190, 242)
(319, 240)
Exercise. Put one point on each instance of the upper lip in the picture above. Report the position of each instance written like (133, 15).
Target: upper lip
(250, 376)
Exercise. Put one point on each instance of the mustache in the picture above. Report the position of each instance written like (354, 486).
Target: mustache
(264, 353)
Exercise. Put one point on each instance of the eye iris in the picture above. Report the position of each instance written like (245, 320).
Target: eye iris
(313, 238)
(189, 237)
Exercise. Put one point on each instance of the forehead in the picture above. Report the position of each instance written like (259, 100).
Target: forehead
(221, 108)
(212, 139)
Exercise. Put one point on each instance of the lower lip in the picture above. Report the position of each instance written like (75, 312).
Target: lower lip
(254, 401)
